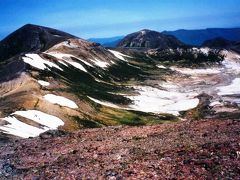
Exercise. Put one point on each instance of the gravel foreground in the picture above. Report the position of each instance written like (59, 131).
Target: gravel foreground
(204, 149)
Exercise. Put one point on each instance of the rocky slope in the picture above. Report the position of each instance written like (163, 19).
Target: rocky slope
(194, 149)
(150, 39)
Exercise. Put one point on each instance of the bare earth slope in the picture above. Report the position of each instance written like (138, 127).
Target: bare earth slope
(184, 150)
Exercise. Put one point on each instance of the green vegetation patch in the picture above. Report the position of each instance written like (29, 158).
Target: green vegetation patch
(85, 123)
(110, 116)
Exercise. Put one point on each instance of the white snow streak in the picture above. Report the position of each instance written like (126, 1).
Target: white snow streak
(215, 103)
(161, 67)
(36, 61)
(77, 65)
(104, 103)
(60, 100)
(99, 63)
(64, 57)
(119, 55)
(189, 71)
(68, 44)
(43, 83)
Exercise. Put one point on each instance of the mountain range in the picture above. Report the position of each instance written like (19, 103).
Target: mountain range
(107, 42)
(67, 106)
(190, 37)
(197, 37)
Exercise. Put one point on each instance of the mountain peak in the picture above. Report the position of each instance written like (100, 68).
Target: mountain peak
(150, 39)
(30, 25)
(30, 38)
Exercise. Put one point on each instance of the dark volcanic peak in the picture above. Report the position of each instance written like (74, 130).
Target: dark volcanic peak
(218, 42)
(30, 38)
(150, 39)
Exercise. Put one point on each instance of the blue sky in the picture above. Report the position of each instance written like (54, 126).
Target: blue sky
(106, 18)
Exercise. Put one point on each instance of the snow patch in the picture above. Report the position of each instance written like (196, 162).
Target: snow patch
(169, 85)
(43, 83)
(20, 129)
(233, 88)
(60, 100)
(205, 50)
(68, 44)
(77, 65)
(64, 57)
(143, 32)
(99, 63)
(38, 62)
(104, 103)
(63, 63)
(119, 55)
(161, 67)
(50, 121)
(231, 61)
(215, 103)
(189, 71)
(232, 66)
(161, 101)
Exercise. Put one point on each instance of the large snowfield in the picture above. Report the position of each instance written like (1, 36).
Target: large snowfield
(161, 101)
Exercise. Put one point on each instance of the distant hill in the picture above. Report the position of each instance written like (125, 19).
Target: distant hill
(150, 39)
(218, 42)
(222, 43)
(107, 42)
(197, 37)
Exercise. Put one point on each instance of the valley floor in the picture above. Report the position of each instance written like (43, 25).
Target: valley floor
(200, 149)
